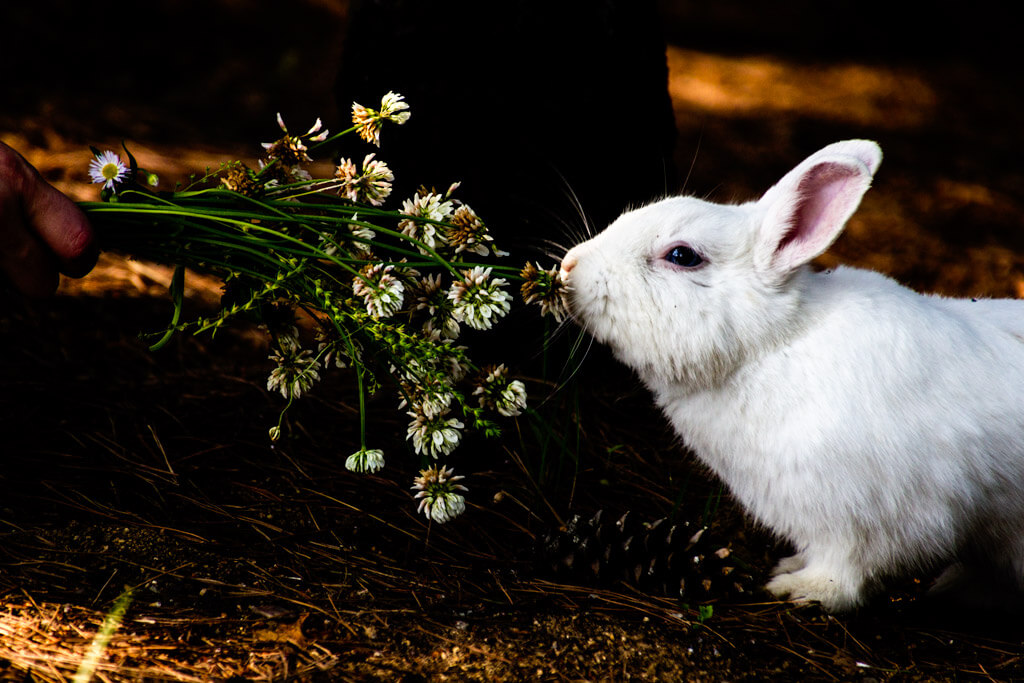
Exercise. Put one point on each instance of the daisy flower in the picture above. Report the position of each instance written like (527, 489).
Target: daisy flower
(380, 289)
(368, 122)
(478, 300)
(434, 436)
(108, 169)
(436, 490)
(372, 185)
(365, 460)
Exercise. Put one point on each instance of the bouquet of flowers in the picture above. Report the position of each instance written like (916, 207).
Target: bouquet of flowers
(388, 291)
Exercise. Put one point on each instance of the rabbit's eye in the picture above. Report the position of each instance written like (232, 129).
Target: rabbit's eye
(684, 256)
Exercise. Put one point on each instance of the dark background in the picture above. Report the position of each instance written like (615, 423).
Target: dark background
(525, 101)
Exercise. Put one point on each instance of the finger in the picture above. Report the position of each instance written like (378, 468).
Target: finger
(60, 224)
(28, 263)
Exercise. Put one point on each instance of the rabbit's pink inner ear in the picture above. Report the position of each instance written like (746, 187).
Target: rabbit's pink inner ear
(826, 196)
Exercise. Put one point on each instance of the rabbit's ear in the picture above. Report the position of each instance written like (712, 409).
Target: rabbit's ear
(805, 211)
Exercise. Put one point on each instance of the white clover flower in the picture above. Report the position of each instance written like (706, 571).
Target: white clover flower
(361, 231)
(282, 173)
(108, 169)
(289, 149)
(331, 354)
(435, 436)
(442, 327)
(546, 288)
(431, 399)
(478, 300)
(288, 338)
(428, 294)
(360, 245)
(333, 350)
(372, 185)
(429, 206)
(467, 232)
(369, 122)
(436, 403)
(317, 128)
(436, 490)
(327, 245)
(497, 392)
(295, 373)
(441, 324)
(365, 460)
(288, 153)
(380, 289)
(513, 399)
(457, 365)
(394, 108)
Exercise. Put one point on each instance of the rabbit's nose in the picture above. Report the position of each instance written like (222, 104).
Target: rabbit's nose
(568, 263)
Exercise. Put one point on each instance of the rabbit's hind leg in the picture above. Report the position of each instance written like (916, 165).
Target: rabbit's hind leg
(832, 581)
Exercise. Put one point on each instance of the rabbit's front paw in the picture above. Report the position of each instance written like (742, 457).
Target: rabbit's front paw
(788, 565)
(816, 584)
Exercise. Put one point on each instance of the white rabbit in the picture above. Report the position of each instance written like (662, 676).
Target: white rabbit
(877, 429)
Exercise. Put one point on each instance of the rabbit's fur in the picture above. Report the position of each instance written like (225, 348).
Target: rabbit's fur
(876, 429)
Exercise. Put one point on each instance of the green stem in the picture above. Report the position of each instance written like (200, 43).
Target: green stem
(178, 296)
(332, 138)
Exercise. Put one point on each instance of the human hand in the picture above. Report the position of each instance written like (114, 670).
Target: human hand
(42, 232)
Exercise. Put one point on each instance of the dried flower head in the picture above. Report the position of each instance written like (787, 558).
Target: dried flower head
(425, 210)
(239, 178)
(365, 460)
(286, 155)
(478, 300)
(546, 288)
(368, 122)
(381, 290)
(466, 232)
(107, 169)
(437, 494)
(295, 373)
(434, 436)
(497, 392)
(371, 186)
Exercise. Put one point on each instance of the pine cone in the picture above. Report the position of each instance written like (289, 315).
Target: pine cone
(682, 560)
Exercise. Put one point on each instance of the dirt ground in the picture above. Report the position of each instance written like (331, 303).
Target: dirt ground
(124, 468)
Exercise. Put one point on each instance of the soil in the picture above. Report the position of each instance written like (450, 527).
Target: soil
(125, 469)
